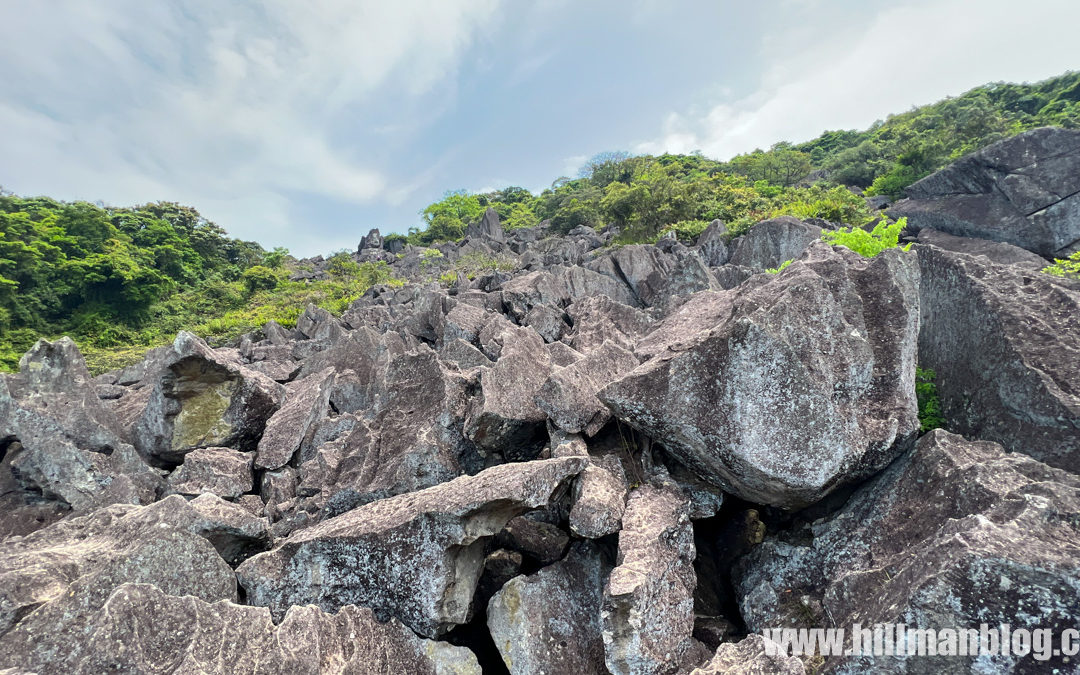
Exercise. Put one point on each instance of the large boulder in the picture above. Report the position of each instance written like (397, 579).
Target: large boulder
(174, 544)
(487, 228)
(648, 606)
(807, 385)
(220, 471)
(141, 629)
(1005, 346)
(954, 535)
(772, 242)
(1023, 190)
(60, 447)
(656, 276)
(416, 556)
(549, 622)
(204, 399)
(568, 397)
(306, 403)
(996, 251)
(753, 655)
(712, 244)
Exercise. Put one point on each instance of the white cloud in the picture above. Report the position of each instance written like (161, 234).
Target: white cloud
(839, 78)
(232, 107)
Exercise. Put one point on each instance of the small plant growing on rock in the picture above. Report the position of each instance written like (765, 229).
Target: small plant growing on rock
(1068, 267)
(778, 270)
(930, 417)
(868, 244)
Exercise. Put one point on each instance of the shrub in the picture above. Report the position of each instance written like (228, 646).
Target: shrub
(930, 417)
(868, 244)
(686, 230)
(259, 278)
(778, 270)
(1068, 267)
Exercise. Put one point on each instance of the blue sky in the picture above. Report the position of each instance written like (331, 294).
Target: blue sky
(305, 124)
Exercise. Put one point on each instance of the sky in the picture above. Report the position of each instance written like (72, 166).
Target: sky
(305, 124)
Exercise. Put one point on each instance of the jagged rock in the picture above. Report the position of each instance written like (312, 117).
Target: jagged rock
(731, 276)
(600, 319)
(542, 541)
(656, 277)
(712, 244)
(275, 333)
(305, 404)
(373, 239)
(1005, 346)
(548, 321)
(749, 657)
(279, 371)
(464, 322)
(953, 535)
(416, 557)
(278, 487)
(463, 355)
(599, 499)
(174, 544)
(201, 400)
(562, 354)
(995, 251)
(772, 242)
(506, 418)
(522, 293)
(582, 282)
(139, 628)
(1023, 190)
(648, 607)
(568, 397)
(318, 324)
(488, 228)
(60, 444)
(808, 385)
(500, 566)
(219, 471)
(549, 622)
(557, 251)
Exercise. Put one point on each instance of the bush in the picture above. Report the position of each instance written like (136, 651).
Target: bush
(1069, 267)
(778, 270)
(259, 278)
(868, 244)
(930, 417)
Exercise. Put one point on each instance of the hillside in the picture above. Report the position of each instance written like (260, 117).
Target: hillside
(536, 451)
(121, 280)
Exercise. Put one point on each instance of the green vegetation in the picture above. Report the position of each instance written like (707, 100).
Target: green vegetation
(868, 244)
(778, 270)
(122, 280)
(930, 417)
(1068, 267)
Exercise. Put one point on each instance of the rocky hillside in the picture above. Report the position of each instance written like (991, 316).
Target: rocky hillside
(569, 457)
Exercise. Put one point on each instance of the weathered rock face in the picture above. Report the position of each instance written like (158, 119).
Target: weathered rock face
(568, 397)
(772, 242)
(73, 565)
(203, 399)
(996, 251)
(488, 228)
(1023, 190)
(1005, 346)
(416, 557)
(955, 534)
(648, 607)
(549, 622)
(599, 499)
(749, 657)
(61, 449)
(712, 244)
(808, 384)
(141, 629)
(656, 277)
(220, 471)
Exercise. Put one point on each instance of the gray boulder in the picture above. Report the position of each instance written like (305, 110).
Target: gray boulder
(203, 399)
(568, 397)
(1004, 343)
(141, 629)
(656, 277)
(220, 471)
(488, 228)
(749, 656)
(712, 244)
(373, 239)
(601, 319)
(416, 557)
(996, 251)
(306, 403)
(549, 622)
(1023, 190)
(772, 242)
(522, 294)
(599, 499)
(953, 535)
(809, 384)
(648, 606)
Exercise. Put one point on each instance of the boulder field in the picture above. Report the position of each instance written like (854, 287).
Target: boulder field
(596, 459)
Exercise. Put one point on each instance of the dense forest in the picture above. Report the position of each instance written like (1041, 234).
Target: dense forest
(120, 280)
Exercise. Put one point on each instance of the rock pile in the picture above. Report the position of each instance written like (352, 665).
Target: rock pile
(584, 459)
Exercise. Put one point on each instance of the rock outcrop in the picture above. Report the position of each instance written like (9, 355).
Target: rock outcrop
(806, 383)
(1023, 190)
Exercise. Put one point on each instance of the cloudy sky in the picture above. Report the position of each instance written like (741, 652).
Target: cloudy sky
(304, 124)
